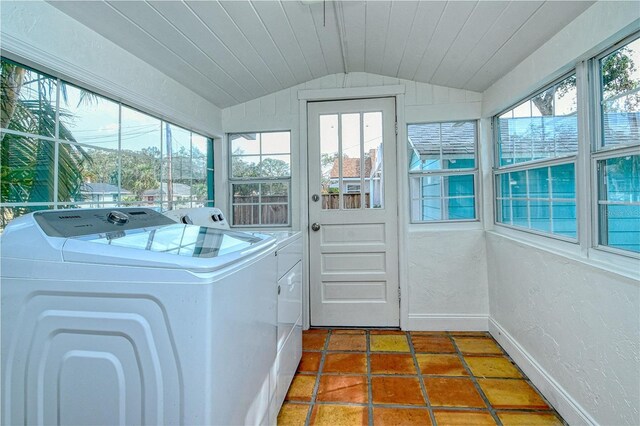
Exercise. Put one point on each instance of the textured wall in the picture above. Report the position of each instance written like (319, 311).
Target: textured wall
(580, 323)
(39, 34)
(446, 267)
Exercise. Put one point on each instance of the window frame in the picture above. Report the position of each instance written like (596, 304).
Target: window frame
(258, 180)
(57, 140)
(447, 172)
(598, 151)
(498, 170)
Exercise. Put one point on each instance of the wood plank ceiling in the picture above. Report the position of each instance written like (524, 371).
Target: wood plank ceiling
(234, 51)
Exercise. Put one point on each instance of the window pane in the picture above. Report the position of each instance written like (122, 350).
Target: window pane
(373, 160)
(202, 173)
(73, 164)
(88, 118)
(276, 142)
(176, 172)
(620, 88)
(260, 203)
(528, 200)
(619, 202)
(351, 161)
(27, 167)
(546, 126)
(140, 159)
(329, 162)
(275, 166)
(442, 198)
(28, 100)
(245, 144)
(437, 146)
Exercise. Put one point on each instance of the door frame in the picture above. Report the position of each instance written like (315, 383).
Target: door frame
(344, 94)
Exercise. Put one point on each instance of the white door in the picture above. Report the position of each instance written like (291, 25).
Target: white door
(353, 213)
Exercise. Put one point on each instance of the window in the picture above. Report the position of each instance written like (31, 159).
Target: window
(443, 171)
(537, 145)
(616, 154)
(65, 147)
(260, 178)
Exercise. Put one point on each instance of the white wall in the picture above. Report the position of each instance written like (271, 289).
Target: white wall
(444, 278)
(38, 34)
(572, 324)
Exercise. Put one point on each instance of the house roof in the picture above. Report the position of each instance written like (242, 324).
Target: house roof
(179, 189)
(101, 188)
(351, 166)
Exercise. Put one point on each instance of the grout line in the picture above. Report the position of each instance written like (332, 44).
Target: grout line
(369, 378)
(316, 386)
(422, 385)
(492, 410)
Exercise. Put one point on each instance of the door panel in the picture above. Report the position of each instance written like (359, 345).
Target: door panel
(354, 252)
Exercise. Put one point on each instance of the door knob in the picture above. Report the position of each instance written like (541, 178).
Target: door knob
(315, 226)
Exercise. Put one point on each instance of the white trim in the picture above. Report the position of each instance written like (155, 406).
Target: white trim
(31, 55)
(568, 407)
(443, 322)
(351, 93)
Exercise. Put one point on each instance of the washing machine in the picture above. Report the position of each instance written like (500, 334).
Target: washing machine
(127, 317)
(289, 318)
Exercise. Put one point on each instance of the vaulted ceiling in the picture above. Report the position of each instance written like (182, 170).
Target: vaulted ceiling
(234, 51)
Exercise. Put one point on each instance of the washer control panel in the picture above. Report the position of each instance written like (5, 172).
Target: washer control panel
(78, 222)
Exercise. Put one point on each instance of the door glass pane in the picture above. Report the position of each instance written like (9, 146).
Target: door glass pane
(373, 156)
(351, 181)
(329, 162)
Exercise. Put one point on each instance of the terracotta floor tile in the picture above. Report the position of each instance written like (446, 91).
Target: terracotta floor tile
(293, 414)
(310, 362)
(348, 342)
(401, 416)
(313, 341)
(452, 392)
(338, 415)
(348, 331)
(504, 393)
(429, 333)
(436, 344)
(392, 364)
(529, 419)
(441, 365)
(463, 418)
(492, 366)
(316, 331)
(345, 363)
(396, 390)
(389, 343)
(343, 389)
(378, 331)
(477, 345)
(301, 388)
(470, 333)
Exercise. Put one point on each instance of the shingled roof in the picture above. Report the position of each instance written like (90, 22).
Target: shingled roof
(351, 166)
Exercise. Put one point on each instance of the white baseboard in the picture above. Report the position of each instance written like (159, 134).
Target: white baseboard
(568, 408)
(443, 322)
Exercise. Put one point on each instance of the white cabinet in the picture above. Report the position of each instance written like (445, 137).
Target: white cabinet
(289, 345)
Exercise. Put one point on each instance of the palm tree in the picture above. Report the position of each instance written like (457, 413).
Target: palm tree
(27, 164)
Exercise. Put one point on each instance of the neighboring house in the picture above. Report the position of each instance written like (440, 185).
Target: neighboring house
(351, 181)
(181, 193)
(100, 194)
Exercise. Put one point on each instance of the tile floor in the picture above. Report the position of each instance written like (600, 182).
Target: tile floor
(391, 377)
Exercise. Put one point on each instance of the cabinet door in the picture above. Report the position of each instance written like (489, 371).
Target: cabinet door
(289, 302)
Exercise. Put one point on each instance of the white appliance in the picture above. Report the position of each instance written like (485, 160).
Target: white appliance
(201, 216)
(126, 317)
(289, 284)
